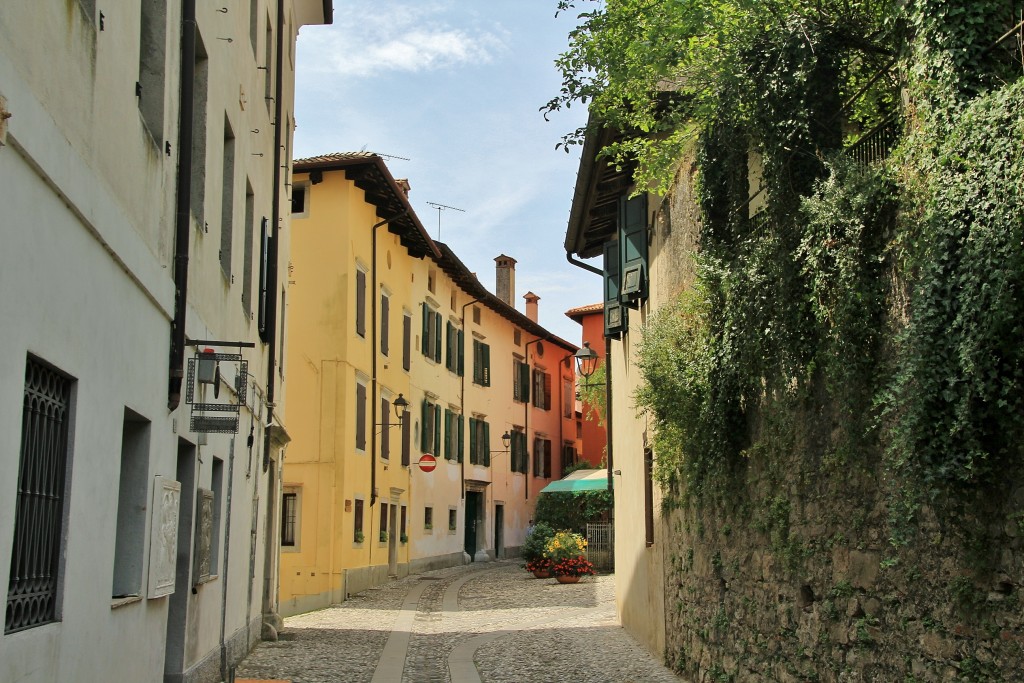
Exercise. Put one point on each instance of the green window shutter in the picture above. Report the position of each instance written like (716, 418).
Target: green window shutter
(447, 434)
(437, 430)
(615, 318)
(437, 337)
(406, 437)
(633, 249)
(462, 352)
(472, 440)
(487, 444)
(425, 337)
(476, 362)
(462, 420)
(486, 355)
(424, 413)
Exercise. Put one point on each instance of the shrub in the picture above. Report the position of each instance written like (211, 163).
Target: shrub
(536, 541)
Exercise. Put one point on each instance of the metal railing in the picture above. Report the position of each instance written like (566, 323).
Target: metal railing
(875, 145)
(601, 546)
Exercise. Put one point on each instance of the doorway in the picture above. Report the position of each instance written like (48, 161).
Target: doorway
(177, 607)
(393, 539)
(474, 506)
(499, 531)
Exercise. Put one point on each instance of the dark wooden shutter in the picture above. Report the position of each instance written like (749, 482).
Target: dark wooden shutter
(437, 431)
(425, 338)
(385, 433)
(437, 337)
(406, 341)
(633, 248)
(406, 437)
(487, 444)
(547, 458)
(615, 318)
(547, 391)
(472, 440)
(462, 352)
(360, 303)
(449, 346)
(485, 352)
(361, 416)
(461, 446)
(424, 431)
(385, 310)
(538, 451)
(447, 434)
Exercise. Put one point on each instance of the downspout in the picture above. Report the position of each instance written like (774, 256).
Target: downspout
(183, 202)
(462, 390)
(272, 245)
(607, 374)
(224, 570)
(373, 355)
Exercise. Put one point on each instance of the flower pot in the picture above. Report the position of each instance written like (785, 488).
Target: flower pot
(542, 573)
(562, 578)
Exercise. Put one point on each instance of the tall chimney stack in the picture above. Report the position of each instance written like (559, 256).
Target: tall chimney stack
(531, 305)
(505, 279)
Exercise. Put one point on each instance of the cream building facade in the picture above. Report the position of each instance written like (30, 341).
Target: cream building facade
(142, 224)
(379, 311)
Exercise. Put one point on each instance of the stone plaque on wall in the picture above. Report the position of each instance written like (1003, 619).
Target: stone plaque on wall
(163, 537)
(204, 535)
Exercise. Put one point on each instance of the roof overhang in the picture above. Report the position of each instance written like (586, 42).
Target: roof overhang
(314, 12)
(370, 174)
(599, 184)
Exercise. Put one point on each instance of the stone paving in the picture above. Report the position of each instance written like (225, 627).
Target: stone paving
(492, 623)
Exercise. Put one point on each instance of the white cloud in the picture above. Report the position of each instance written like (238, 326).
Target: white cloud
(372, 39)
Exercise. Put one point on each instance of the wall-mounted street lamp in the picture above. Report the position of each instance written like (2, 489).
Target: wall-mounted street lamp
(586, 362)
(506, 441)
(401, 406)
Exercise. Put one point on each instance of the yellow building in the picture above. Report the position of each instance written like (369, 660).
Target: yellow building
(381, 316)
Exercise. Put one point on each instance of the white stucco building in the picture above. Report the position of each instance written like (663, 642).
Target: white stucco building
(144, 167)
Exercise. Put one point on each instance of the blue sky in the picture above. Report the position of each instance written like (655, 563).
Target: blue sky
(455, 86)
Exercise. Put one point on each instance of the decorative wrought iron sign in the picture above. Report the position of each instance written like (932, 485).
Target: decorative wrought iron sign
(205, 369)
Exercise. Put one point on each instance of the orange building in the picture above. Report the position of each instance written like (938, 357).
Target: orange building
(592, 434)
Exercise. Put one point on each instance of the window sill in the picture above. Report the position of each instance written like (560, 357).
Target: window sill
(126, 600)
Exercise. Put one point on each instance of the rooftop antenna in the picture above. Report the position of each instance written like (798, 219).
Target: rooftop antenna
(391, 156)
(440, 208)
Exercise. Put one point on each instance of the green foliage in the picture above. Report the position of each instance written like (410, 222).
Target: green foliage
(573, 510)
(564, 545)
(536, 541)
(592, 395)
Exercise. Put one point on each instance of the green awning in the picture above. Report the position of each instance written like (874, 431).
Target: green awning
(580, 480)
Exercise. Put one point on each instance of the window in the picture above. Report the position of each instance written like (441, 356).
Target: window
(406, 437)
(253, 25)
(227, 207)
(541, 389)
(152, 57)
(261, 308)
(360, 416)
(479, 442)
(476, 315)
(300, 200)
(383, 522)
(404, 533)
(385, 429)
(568, 398)
(247, 249)
(520, 381)
(357, 521)
(481, 363)
(648, 497)
(431, 280)
(201, 85)
(453, 520)
(428, 518)
(39, 517)
(454, 348)
(132, 493)
(517, 337)
(406, 341)
(361, 302)
(431, 340)
(453, 426)
(430, 428)
(289, 519)
(385, 312)
(568, 455)
(542, 458)
(519, 456)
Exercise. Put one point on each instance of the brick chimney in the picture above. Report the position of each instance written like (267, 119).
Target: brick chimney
(531, 305)
(505, 279)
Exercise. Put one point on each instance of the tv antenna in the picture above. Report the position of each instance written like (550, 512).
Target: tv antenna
(440, 208)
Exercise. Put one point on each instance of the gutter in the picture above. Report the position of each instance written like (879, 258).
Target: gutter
(182, 203)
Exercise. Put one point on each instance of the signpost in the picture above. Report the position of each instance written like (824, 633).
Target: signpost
(427, 462)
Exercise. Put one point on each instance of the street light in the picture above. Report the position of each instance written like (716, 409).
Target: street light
(586, 361)
(506, 439)
(400, 405)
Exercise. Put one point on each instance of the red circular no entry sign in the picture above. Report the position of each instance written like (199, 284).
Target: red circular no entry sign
(427, 462)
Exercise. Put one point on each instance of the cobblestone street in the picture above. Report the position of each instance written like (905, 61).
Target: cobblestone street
(492, 623)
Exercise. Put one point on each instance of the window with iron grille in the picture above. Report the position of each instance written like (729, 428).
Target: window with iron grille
(289, 515)
(39, 506)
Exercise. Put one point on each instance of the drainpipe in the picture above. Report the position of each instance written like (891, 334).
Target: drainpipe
(373, 355)
(607, 373)
(272, 242)
(462, 390)
(224, 570)
(183, 202)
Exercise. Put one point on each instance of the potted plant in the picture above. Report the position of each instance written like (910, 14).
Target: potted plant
(383, 537)
(533, 549)
(359, 538)
(566, 551)
(404, 538)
